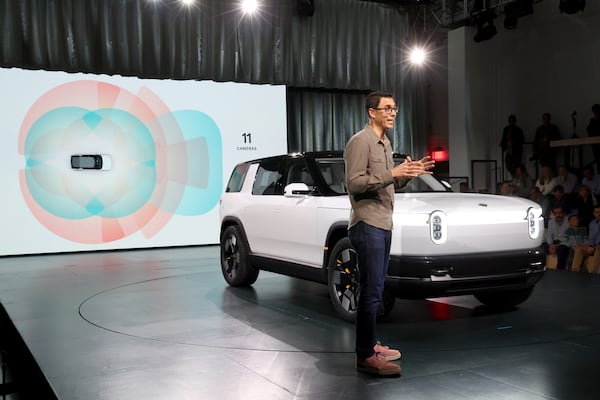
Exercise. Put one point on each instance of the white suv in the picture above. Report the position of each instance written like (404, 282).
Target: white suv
(289, 214)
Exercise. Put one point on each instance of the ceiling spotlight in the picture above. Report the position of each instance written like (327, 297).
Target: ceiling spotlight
(249, 6)
(417, 56)
(571, 6)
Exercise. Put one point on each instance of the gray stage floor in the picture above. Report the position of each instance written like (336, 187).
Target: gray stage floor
(162, 324)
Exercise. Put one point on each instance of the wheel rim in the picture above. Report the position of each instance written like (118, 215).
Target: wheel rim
(231, 256)
(345, 280)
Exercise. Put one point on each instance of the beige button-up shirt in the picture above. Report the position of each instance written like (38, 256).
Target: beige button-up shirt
(369, 180)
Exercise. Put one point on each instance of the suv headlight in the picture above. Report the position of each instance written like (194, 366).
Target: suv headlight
(533, 222)
(438, 227)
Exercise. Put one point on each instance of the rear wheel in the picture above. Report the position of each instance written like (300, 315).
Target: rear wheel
(343, 280)
(235, 262)
(504, 300)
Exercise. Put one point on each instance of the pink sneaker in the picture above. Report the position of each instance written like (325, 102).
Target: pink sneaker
(377, 364)
(389, 354)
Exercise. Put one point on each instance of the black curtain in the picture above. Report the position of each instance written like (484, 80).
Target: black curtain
(327, 60)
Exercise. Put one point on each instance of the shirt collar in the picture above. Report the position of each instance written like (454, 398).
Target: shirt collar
(384, 140)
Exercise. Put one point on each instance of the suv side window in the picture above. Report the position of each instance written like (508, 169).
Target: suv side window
(236, 180)
(268, 179)
(297, 172)
(333, 172)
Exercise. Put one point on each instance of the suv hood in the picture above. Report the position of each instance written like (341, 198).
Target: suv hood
(472, 203)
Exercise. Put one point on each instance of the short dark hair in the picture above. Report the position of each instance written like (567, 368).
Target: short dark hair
(373, 99)
(596, 109)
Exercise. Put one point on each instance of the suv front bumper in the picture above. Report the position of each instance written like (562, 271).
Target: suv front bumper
(416, 277)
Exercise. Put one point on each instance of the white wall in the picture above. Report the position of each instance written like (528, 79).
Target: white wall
(549, 63)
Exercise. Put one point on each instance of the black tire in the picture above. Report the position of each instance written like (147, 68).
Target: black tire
(235, 263)
(344, 283)
(343, 280)
(504, 300)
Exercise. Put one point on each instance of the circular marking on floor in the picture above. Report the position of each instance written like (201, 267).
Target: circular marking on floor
(290, 315)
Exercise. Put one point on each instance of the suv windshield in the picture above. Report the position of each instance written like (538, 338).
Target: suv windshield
(333, 172)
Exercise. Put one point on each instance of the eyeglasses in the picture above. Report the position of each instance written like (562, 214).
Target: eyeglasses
(388, 110)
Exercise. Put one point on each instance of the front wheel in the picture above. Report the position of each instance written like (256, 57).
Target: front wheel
(343, 280)
(235, 262)
(504, 300)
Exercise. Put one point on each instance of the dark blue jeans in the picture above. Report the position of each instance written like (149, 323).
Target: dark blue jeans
(372, 246)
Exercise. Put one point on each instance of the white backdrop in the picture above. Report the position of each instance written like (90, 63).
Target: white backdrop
(173, 144)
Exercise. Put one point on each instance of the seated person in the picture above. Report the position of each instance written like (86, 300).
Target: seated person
(506, 189)
(567, 179)
(591, 180)
(562, 199)
(536, 195)
(576, 235)
(521, 181)
(556, 237)
(584, 202)
(547, 180)
(589, 248)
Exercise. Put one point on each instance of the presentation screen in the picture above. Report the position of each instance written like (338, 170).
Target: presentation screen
(97, 162)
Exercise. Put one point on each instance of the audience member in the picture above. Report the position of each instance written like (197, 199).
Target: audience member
(560, 199)
(506, 189)
(547, 181)
(591, 180)
(556, 237)
(544, 134)
(567, 179)
(522, 181)
(576, 235)
(512, 144)
(590, 248)
(593, 129)
(543, 201)
(584, 203)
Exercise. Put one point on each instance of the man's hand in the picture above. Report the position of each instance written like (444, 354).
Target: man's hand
(411, 169)
(428, 164)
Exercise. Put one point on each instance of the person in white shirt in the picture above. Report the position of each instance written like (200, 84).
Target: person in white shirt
(547, 181)
(567, 180)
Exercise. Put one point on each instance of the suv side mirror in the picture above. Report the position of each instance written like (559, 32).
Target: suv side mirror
(296, 190)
